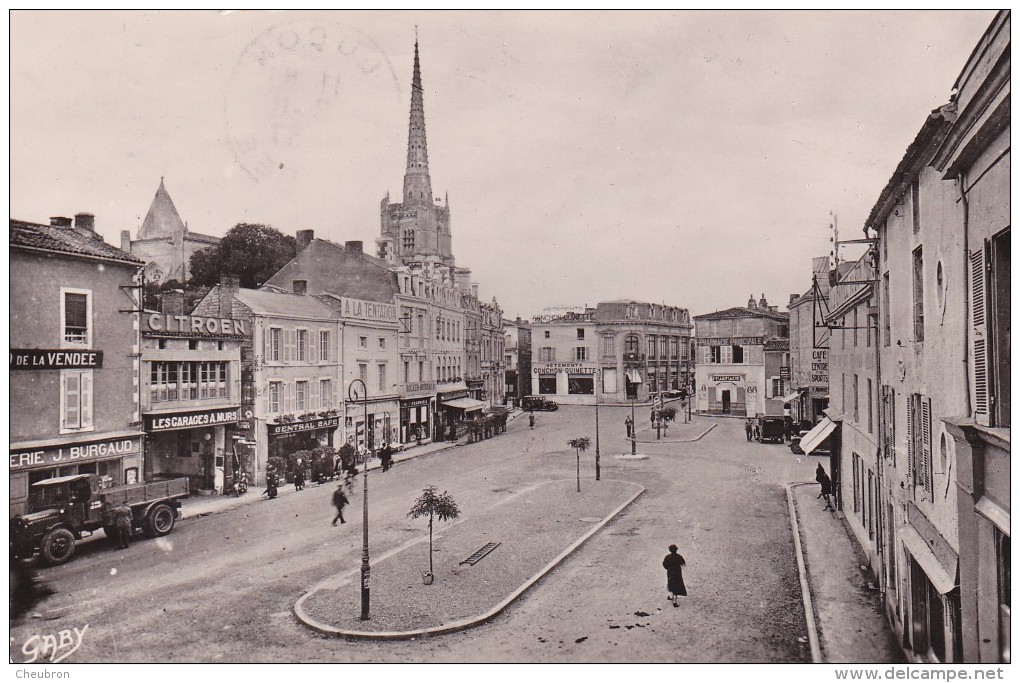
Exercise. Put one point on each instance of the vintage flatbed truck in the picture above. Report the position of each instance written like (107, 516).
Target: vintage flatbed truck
(63, 510)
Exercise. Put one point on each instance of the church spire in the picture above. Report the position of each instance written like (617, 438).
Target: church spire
(417, 184)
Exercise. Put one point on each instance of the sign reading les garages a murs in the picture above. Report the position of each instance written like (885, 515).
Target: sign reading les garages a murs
(55, 359)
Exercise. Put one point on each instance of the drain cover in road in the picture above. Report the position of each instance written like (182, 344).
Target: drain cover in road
(480, 553)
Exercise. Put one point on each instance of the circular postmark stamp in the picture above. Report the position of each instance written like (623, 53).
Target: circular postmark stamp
(299, 90)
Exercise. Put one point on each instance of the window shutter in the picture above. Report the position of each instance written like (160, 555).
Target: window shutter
(267, 335)
(926, 467)
(291, 346)
(892, 424)
(69, 392)
(86, 399)
(313, 395)
(910, 439)
(979, 333)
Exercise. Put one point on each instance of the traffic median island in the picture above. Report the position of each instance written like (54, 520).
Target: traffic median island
(535, 529)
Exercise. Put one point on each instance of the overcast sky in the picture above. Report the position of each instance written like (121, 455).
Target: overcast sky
(690, 158)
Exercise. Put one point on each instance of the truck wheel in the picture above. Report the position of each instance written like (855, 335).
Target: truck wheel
(57, 546)
(159, 521)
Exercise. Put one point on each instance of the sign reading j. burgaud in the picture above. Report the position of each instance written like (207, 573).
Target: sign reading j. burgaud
(205, 418)
(55, 359)
(193, 324)
(74, 453)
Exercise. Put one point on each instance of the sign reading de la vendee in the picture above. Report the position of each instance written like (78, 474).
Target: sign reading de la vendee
(55, 359)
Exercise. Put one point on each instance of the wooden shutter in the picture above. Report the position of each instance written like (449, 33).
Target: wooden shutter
(891, 424)
(86, 399)
(979, 333)
(313, 395)
(70, 387)
(925, 427)
(910, 438)
(267, 349)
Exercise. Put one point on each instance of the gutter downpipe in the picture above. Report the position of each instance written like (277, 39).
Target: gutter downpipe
(966, 300)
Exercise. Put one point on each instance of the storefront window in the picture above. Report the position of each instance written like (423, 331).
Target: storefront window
(581, 384)
(547, 384)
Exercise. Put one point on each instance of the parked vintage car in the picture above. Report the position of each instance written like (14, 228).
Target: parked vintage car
(531, 403)
(771, 428)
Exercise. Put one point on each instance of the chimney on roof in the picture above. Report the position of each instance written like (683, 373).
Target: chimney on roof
(229, 284)
(774, 309)
(125, 240)
(304, 238)
(60, 221)
(762, 303)
(354, 246)
(794, 297)
(171, 302)
(751, 303)
(85, 221)
(300, 287)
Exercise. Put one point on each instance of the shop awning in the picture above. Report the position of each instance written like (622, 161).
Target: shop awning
(466, 404)
(943, 580)
(790, 397)
(819, 433)
(634, 377)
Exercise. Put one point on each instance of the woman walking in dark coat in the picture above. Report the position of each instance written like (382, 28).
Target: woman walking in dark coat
(674, 564)
(823, 479)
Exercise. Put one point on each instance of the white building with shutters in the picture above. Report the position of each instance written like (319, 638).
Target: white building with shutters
(940, 520)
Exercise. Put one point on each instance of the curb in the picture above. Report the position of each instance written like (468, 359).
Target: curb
(235, 502)
(463, 624)
(805, 588)
(697, 438)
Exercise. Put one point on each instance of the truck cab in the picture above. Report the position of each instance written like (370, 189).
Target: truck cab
(76, 497)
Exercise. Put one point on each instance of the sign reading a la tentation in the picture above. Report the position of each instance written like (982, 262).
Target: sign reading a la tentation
(367, 310)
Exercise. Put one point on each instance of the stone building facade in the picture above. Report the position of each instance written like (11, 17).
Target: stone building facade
(74, 357)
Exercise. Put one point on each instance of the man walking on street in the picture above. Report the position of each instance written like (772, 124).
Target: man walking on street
(674, 574)
(748, 428)
(339, 501)
(386, 456)
(630, 427)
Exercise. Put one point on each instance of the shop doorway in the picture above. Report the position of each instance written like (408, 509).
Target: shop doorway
(726, 401)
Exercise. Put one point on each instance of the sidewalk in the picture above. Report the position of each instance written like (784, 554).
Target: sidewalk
(199, 506)
(849, 617)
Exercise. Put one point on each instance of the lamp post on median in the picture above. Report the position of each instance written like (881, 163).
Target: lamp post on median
(366, 570)
(598, 467)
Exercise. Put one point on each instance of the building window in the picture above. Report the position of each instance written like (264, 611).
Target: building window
(777, 387)
(674, 345)
(273, 350)
(856, 325)
(581, 353)
(75, 314)
(326, 393)
(888, 423)
(409, 239)
(301, 396)
(302, 345)
(857, 481)
(990, 334)
(75, 400)
(578, 384)
(382, 343)
(886, 313)
(651, 346)
(726, 354)
(631, 344)
(580, 334)
(363, 372)
(608, 345)
(871, 409)
(915, 205)
(323, 345)
(275, 392)
(919, 441)
(546, 334)
(407, 372)
(547, 353)
(738, 353)
(363, 343)
(716, 354)
(918, 260)
(547, 384)
(382, 378)
(857, 415)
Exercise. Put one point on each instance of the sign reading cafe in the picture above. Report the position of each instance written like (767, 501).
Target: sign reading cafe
(307, 426)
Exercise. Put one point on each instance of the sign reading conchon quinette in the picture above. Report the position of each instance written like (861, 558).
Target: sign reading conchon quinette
(55, 359)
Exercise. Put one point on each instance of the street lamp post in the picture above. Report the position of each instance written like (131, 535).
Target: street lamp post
(598, 467)
(633, 434)
(366, 570)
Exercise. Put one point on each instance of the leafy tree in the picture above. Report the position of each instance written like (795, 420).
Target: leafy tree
(250, 251)
(579, 445)
(434, 504)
